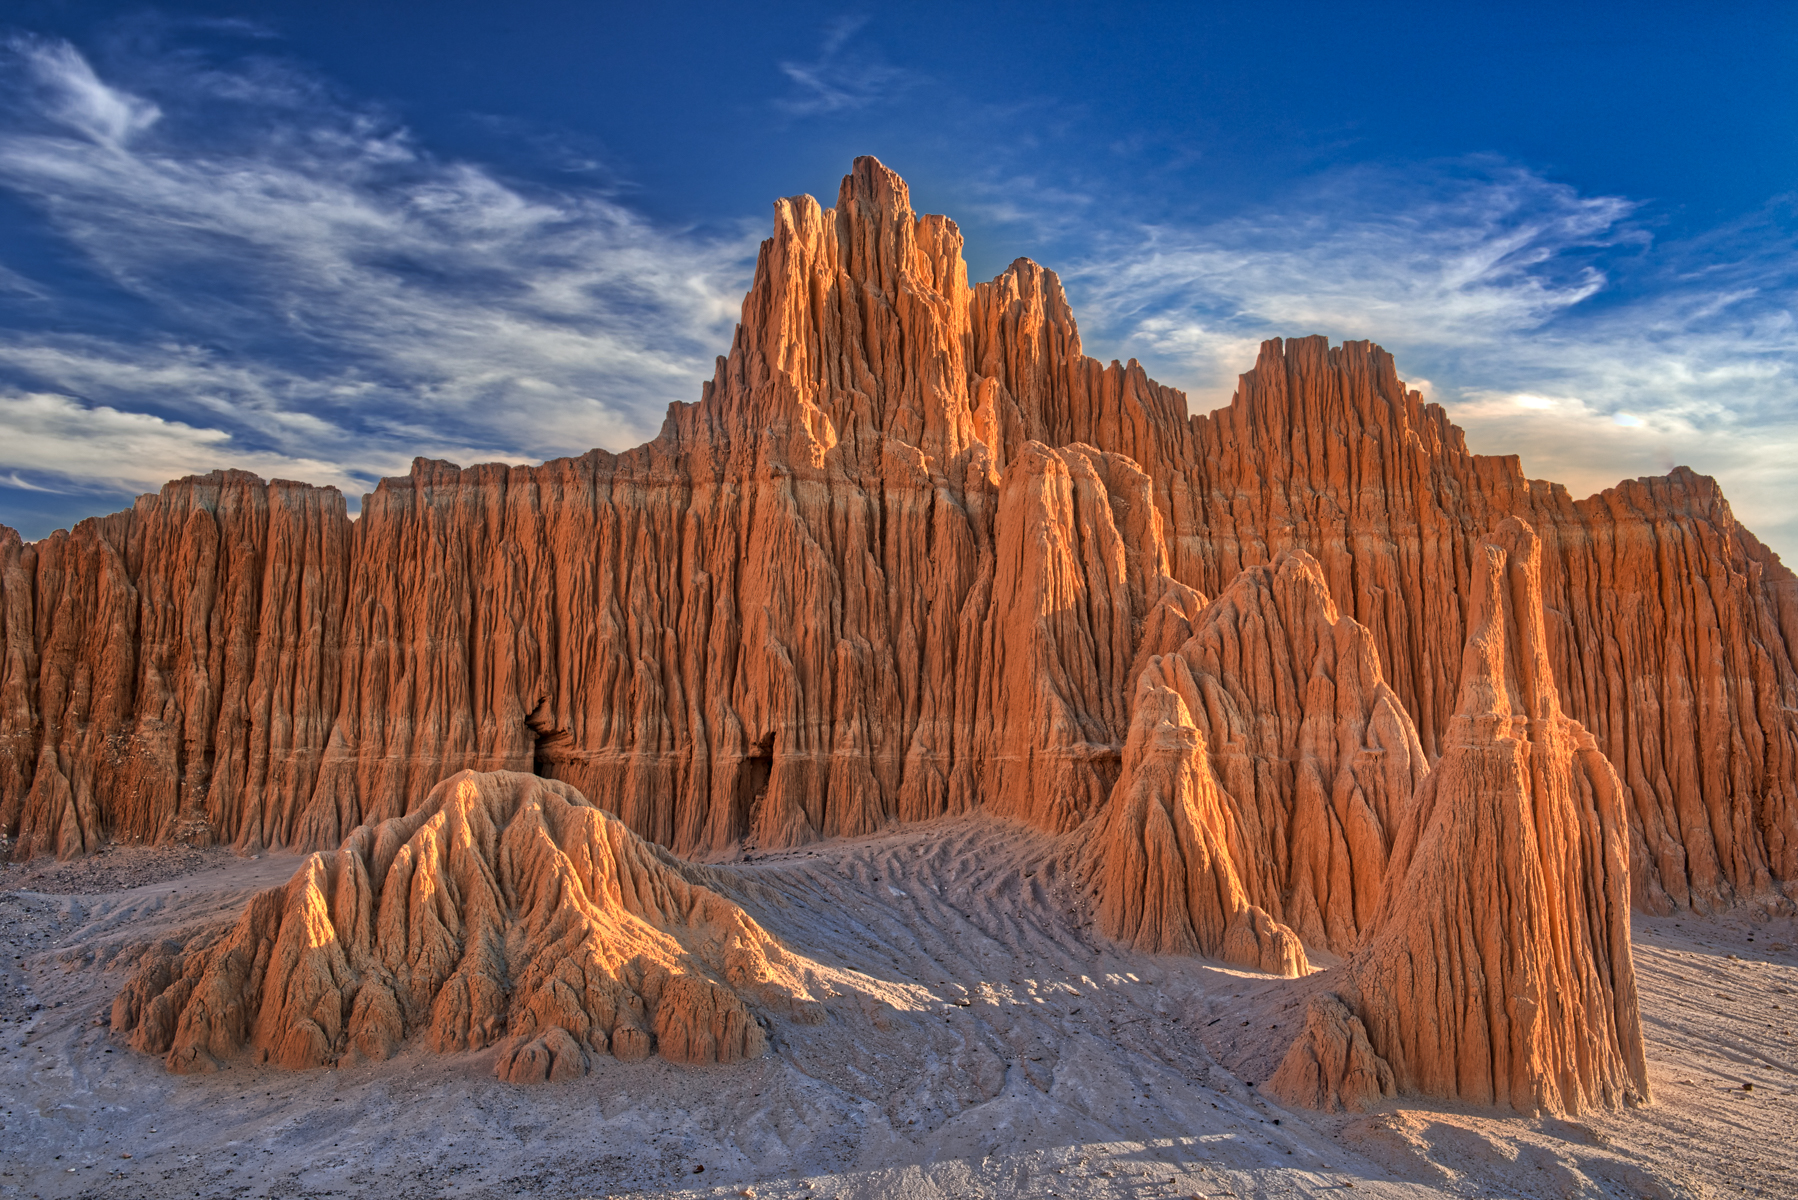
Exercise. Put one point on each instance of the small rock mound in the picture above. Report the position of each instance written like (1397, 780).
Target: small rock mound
(1332, 1066)
(505, 908)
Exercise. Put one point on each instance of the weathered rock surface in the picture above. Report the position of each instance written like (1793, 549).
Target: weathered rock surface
(1078, 591)
(1673, 632)
(1164, 873)
(504, 908)
(1499, 971)
(906, 555)
(1268, 770)
(1332, 1067)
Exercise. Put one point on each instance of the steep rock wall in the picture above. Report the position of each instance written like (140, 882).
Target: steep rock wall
(781, 620)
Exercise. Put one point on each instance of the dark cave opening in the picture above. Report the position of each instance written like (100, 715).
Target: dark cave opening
(549, 744)
(753, 773)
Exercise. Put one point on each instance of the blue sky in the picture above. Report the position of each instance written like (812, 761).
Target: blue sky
(313, 240)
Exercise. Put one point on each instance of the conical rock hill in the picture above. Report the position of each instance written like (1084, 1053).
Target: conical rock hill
(1499, 969)
(1268, 771)
(503, 909)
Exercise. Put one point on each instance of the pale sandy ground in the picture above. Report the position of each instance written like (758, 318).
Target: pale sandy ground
(977, 1042)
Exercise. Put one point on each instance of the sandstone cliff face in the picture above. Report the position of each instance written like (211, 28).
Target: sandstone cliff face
(504, 908)
(906, 555)
(164, 664)
(1499, 972)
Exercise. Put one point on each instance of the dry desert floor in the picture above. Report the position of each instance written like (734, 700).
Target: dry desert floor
(979, 1041)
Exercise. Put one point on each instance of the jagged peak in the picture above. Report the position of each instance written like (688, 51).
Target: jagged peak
(1506, 671)
(871, 184)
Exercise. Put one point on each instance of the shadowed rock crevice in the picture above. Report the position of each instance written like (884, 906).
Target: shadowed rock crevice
(754, 771)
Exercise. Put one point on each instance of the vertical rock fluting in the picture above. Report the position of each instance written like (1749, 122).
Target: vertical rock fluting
(502, 909)
(168, 666)
(1077, 588)
(1673, 631)
(780, 619)
(1162, 861)
(1269, 767)
(1499, 972)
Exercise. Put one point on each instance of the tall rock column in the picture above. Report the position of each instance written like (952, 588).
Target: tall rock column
(1499, 972)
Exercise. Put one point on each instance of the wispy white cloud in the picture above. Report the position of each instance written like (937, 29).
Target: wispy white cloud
(1550, 323)
(14, 480)
(72, 94)
(329, 292)
(103, 447)
(326, 298)
(19, 285)
(842, 78)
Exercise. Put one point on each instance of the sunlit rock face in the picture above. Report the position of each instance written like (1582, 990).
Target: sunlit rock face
(1498, 969)
(1268, 769)
(904, 557)
(503, 909)
(912, 554)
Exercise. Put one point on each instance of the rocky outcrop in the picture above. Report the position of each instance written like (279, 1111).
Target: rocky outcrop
(1332, 1067)
(1499, 970)
(801, 611)
(1077, 592)
(1161, 864)
(1268, 771)
(503, 909)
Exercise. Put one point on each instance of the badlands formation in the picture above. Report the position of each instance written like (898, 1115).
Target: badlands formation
(921, 656)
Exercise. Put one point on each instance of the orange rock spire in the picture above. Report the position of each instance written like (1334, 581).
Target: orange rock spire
(1268, 771)
(1499, 971)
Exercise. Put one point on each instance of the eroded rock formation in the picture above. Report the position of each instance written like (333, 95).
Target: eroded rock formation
(905, 555)
(504, 908)
(1268, 770)
(1332, 1066)
(1078, 591)
(1499, 969)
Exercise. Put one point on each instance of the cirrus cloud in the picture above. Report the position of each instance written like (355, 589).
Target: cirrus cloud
(322, 290)
(1551, 324)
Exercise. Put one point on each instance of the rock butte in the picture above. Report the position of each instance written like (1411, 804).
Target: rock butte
(912, 553)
